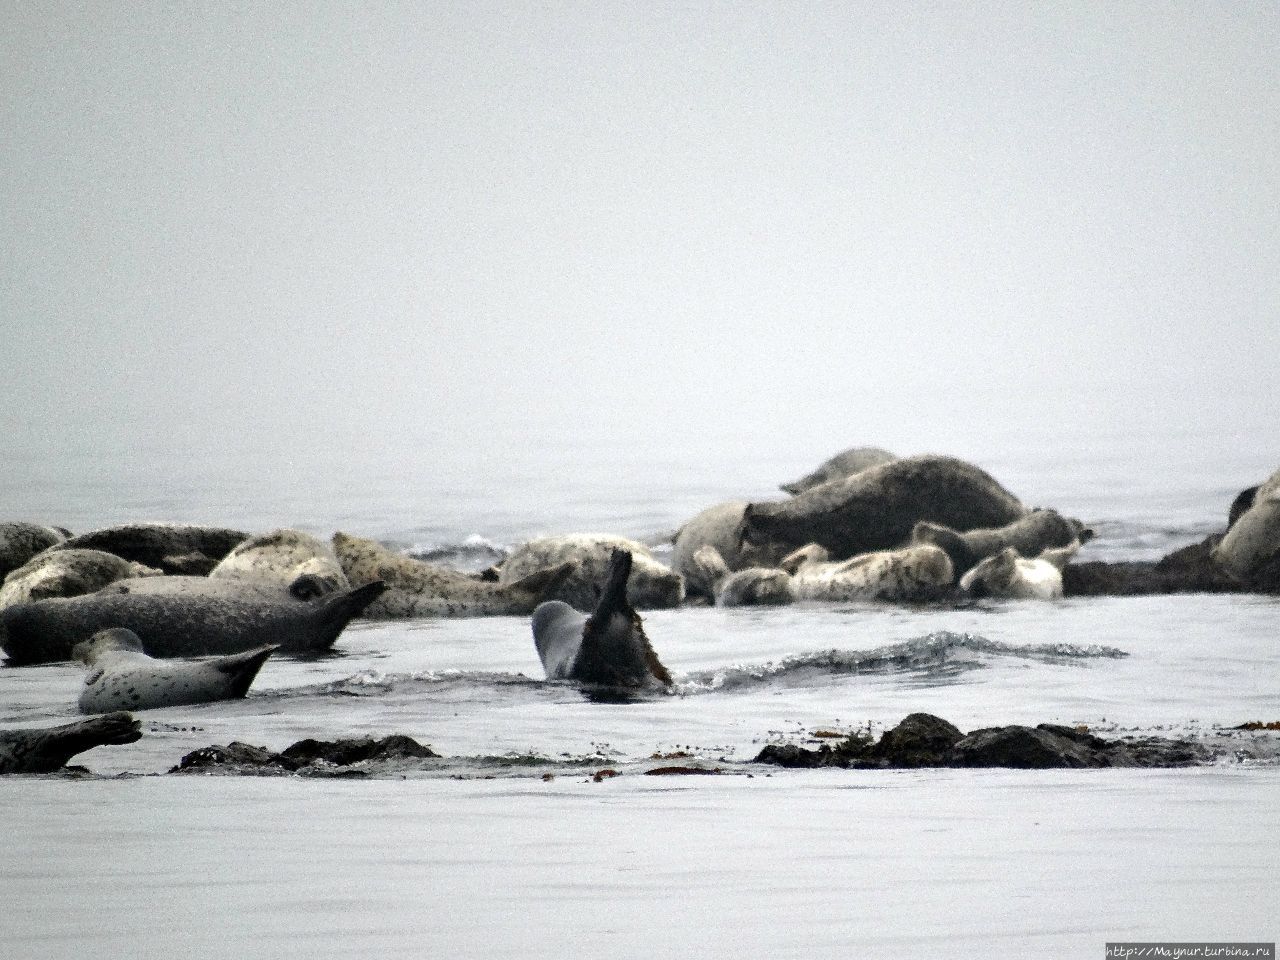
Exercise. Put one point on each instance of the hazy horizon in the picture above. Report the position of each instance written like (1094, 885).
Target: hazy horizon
(241, 228)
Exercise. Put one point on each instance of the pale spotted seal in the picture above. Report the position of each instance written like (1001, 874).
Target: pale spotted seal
(921, 572)
(172, 547)
(1008, 575)
(652, 586)
(67, 573)
(419, 589)
(608, 648)
(49, 749)
(842, 465)
(1030, 535)
(20, 541)
(877, 508)
(749, 587)
(1251, 548)
(289, 558)
(182, 617)
(718, 527)
(121, 676)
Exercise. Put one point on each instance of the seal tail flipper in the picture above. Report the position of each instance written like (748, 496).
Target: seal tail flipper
(243, 667)
(351, 603)
(44, 751)
(613, 597)
(545, 584)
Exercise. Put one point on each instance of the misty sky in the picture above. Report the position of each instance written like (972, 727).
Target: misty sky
(239, 224)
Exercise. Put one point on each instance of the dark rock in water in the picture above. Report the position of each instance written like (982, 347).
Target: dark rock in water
(923, 740)
(303, 756)
(1189, 569)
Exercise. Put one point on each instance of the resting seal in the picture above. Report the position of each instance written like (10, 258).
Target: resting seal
(609, 648)
(171, 547)
(122, 676)
(1030, 536)
(48, 750)
(1250, 551)
(718, 527)
(419, 589)
(842, 465)
(67, 573)
(921, 572)
(749, 587)
(877, 508)
(19, 542)
(182, 617)
(1013, 577)
(652, 586)
(289, 558)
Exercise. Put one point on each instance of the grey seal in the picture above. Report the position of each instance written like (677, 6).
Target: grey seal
(183, 617)
(1250, 550)
(652, 586)
(842, 465)
(608, 648)
(748, 587)
(720, 528)
(48, 750)
(172, 547)
(1008, 575)
(419, 589)
(877, 508)
(908, 574)
(20, 541)
(1030, 535)
(121, 676)
(282, 557)
(68, 573)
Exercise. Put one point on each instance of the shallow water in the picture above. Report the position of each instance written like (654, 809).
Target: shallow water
(767, 862)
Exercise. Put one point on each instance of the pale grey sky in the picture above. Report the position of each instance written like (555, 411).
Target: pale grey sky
(885, 223)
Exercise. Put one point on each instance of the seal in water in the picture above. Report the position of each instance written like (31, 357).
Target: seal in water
(877, 508)
(48, 750)
(921, 572)
(290, 558)
(608, 648)
(419, 589)
(749, 587)
(122, 676)
(183, 617)
(842, 465)
(19, 542)
(67, 573)
(652, 586)
(1039, 530)
(171, 547)
(1013, 577)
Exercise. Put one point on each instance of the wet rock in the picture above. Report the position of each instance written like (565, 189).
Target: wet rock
(1025, 748)
(920, 740)
(306, 756)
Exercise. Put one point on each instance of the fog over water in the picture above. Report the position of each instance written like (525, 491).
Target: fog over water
(261, 232)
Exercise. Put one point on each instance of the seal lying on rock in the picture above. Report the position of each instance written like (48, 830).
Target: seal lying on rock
(921, 572)
(19, 542)
(652, 586)
(419, 589)
(877, 508)
(172, 547)
(752, 586)
(283, 557)
(608, 648)
(182, 617)
(842, 465)
(1250, 551)
(68, 573)
(48, 750)
(1029, 535)
(122, 676)
(1013, 577)
(718, 527)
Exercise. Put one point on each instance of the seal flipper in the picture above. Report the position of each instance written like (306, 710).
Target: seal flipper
(544, 584)
(45, 751)
(615, 651)
(244, 667)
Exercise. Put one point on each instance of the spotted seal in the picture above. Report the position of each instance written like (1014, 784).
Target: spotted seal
(842, 465)
(419, 589)
(877, 508)
(1250, 551)
(183, 617)
(652, 586)
(920, 572)
(290, 558)
(1030, 535)
(121, 676)
(1008, 575)
(20, 541)
(67, 573)
(48, 750)
(718, 527)
(608, 648)
(749, 587)
(176, 548)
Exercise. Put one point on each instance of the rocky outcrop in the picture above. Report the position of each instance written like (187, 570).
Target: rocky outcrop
(314, 757)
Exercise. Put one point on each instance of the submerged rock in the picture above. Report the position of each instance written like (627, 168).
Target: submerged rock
(306, 756)
(923, 740)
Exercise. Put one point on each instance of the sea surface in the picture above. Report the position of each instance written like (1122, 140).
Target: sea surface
(511, 846)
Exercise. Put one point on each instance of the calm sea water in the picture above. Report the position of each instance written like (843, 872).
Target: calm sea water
(778, 863)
